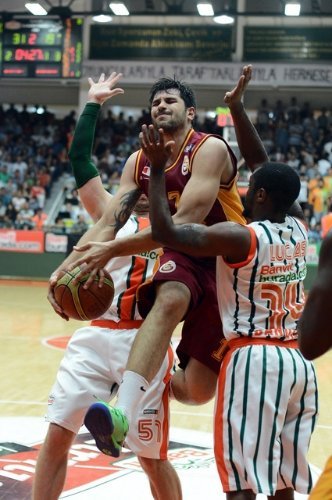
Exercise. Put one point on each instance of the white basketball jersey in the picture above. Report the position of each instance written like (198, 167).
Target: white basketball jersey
(264, 296)
(128, 273)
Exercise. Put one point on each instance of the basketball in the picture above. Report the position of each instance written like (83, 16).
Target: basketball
(80, 303)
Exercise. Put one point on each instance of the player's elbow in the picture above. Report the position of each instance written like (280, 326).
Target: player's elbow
(159, 235)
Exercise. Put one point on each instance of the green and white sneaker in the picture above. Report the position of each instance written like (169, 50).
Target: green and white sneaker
(108, 426)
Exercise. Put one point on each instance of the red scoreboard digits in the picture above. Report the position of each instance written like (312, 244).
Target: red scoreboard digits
(42, 49)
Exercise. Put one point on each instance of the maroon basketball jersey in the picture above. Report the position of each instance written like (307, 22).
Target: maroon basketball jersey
(227, 206)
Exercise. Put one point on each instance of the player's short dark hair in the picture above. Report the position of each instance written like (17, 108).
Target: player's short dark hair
(280, 181)
(164, 84)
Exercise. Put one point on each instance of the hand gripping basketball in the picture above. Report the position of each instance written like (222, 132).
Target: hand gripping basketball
(80, 303)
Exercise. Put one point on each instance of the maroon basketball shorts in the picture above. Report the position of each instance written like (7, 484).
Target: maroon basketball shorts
(202, 335)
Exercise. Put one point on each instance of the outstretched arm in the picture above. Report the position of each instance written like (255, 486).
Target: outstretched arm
(315, 335)
(250, 144)
(92, 193)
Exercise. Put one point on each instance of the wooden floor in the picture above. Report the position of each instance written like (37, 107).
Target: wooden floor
(29, 366)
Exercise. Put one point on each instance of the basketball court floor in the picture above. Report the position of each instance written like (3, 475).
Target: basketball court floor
(32, 341)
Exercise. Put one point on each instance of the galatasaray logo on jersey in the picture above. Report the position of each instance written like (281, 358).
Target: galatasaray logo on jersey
(168, 267)
(146, 171)
(185, 166)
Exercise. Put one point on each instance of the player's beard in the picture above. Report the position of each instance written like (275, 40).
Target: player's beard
(171, 123)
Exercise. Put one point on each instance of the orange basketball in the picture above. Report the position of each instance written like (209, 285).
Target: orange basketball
(80, 303)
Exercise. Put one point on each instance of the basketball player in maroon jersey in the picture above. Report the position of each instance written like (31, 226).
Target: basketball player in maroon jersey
(201, 183)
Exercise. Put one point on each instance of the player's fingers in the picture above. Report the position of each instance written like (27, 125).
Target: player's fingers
(78, 263)
(153, 135)
(84, 270)
(146, 135)
(82, 248)
(161, 136)
(101, 276)
(91, 82)
(227, 97)
(111, 76)
(169, 146)
(92, 275)
(53, 280)
(115, 77)
(116, 91)
(101, 78)
(141, 140)
(143, 136)
(57, 309)
(248, 73)
(241, 83)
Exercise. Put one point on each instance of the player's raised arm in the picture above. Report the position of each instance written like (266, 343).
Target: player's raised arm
(250, 144)
(92, 193)
(315, 336)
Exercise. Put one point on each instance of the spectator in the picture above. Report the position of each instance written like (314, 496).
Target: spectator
(39, 219)
(324, 164)
(11, 214)
(293, 110)
(38, 191)
(80, 226)
(26, 214)
(4, 175)
(303, 195)
(317, 198)
(19, 199)
(326, 221)
(314, 233)
(263, 116)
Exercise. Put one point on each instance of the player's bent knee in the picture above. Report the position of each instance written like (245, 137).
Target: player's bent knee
(172, 296)
(200, 395)
(190, 389)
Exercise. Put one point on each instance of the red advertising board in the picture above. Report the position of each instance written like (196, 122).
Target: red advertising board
(12, 240)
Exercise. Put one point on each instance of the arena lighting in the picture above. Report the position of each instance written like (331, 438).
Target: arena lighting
(205, 9)
(223, 19)
(36, 9)
(292, 9)
(119, 9)
(102, 18)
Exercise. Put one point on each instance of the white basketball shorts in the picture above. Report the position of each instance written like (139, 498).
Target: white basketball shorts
(93, 364)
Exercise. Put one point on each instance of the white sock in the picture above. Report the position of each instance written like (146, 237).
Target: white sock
(131, 390)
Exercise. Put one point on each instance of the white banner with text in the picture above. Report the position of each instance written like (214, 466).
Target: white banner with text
(214, 73)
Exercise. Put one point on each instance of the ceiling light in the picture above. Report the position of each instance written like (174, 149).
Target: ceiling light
(119, 9)
(36, 9)
(292, 9)
(224, 19)
(102, 18)
(205, 9)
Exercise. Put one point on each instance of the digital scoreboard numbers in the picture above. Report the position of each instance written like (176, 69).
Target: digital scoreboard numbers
(42, 49)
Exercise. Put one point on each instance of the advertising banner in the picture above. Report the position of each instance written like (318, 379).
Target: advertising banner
(12, 240)
(56, 242)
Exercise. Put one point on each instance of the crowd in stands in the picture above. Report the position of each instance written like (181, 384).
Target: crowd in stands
(34, 154)
(302, 138)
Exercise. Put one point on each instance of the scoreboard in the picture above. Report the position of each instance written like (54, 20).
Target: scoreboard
(41, 49)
